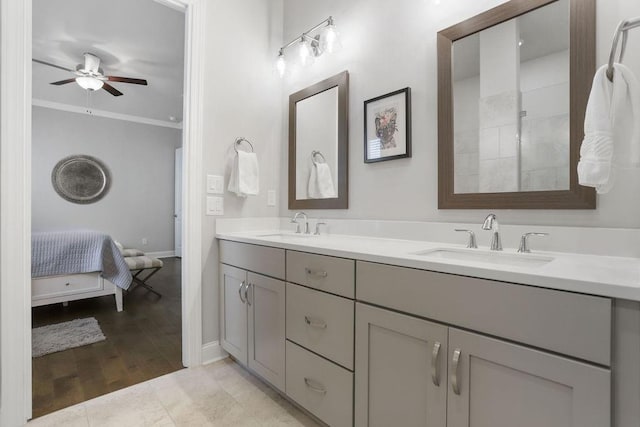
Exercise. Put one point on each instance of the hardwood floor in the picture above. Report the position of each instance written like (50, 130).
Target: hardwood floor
(143, 342)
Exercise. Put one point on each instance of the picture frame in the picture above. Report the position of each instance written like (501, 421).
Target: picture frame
(387, 126)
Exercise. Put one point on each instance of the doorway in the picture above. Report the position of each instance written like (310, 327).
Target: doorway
(15, 204)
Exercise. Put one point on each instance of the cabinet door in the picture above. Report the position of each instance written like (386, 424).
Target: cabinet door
(266, 301)
(499, 384)
(401, 370)
(233, 312)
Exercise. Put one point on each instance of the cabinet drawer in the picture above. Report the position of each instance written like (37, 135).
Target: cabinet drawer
(321, 323)
(573, 324)
(319, 386)
(259, 259)
(329, 274)
(56, 286)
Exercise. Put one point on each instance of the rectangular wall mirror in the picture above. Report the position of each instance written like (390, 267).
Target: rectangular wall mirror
(513, 88)
(318, 145)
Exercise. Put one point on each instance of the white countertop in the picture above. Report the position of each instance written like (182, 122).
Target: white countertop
(614, 277)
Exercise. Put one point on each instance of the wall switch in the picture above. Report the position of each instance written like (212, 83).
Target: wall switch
(215, 206)
(215, 184)
(145, 242)
(271, 198)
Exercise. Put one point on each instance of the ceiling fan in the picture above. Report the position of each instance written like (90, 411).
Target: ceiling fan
(89, 76)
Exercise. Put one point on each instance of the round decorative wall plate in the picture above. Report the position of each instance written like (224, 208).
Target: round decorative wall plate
(81, 179)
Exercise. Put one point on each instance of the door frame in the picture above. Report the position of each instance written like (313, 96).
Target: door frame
(15, 199)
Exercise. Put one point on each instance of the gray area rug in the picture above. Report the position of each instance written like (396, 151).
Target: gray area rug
(63, 336)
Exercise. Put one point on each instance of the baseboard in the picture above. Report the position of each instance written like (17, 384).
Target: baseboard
(212, 352)
(161, 254)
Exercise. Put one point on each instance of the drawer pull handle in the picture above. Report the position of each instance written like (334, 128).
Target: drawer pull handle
(316, 273)
(454, 371)
(319, 325)
(246, 293)
(240, 293)
(67, 284)
(315, 386)
(435, 365)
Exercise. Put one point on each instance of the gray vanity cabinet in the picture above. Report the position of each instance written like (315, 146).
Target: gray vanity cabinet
(499, 384)
(401, 370)
(252, 319)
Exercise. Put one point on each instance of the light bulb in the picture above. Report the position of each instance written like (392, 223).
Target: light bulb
(281, 64)
(304, 51)
(89, 83)
(329, 38)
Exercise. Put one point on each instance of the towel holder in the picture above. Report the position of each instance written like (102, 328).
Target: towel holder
(622, 29)
(315, 153)
(239, 141)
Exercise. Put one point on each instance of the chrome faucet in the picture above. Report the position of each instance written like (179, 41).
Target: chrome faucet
(294, 220)
(491, 223)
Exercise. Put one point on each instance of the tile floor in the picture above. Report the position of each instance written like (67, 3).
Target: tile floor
(219, 394)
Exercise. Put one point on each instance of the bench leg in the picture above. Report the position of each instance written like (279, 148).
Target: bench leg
(118, 296)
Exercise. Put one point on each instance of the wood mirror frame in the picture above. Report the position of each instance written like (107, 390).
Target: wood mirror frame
(582, 44)
(341, 81)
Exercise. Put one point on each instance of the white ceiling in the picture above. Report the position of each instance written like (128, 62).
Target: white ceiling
(133, 38)
(543, 31)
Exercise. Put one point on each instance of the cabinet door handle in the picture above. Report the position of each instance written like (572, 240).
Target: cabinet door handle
(246, 293)
(317, 273)
(455, 364)
(240, 293)
(315, 386)
(435, 365)
(319, 325)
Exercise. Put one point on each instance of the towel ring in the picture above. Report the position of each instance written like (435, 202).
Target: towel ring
(622, 29)
(315, 153)
(240, 141)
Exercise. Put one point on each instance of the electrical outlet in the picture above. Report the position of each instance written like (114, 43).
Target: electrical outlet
(215, 184)
(271, 198)
(145, 241)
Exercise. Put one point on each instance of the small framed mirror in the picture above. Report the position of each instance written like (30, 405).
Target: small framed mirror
(513, 85)
(319, 145)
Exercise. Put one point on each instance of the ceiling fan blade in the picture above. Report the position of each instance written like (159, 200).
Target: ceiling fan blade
(127, 80)
(112, 90)
(63, 82)
(52, 65)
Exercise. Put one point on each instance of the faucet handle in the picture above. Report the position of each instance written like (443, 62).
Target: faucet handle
(524, 241)
(318, 224)
(472, 238)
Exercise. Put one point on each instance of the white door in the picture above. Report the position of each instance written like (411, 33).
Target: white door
(177, 211)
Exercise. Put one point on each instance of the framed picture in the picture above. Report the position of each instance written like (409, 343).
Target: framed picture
(387, 126)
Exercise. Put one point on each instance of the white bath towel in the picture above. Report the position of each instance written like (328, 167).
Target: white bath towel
(244, 180)
(320, 182)
(611, 127)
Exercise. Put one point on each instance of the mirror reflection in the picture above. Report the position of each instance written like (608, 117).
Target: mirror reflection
(317, 146)
(511, 105)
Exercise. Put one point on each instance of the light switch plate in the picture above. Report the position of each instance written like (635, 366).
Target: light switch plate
(271, 198)
(215, 184)
(215, 206)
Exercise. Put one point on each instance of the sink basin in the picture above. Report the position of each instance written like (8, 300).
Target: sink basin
(288, 235)
(487, 257)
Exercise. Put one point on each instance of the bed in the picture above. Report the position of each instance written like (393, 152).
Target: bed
(74, 265)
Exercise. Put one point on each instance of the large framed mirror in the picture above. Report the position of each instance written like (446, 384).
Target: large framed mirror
(513, 85)
(319, 145)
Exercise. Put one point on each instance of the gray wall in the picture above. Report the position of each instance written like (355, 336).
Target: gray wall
(391, 45)
(141, 161)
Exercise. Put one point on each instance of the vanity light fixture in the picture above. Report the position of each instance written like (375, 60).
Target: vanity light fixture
(309, 46)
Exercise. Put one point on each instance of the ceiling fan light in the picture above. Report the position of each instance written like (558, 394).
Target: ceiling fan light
(89, 83)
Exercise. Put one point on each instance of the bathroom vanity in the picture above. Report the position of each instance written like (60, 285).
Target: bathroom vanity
(370, 331)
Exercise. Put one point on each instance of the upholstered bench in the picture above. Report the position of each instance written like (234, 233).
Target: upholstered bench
(138, 264)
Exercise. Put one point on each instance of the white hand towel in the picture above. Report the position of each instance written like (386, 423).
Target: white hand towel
(244, 180)
(611, 127)
(320, 182)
